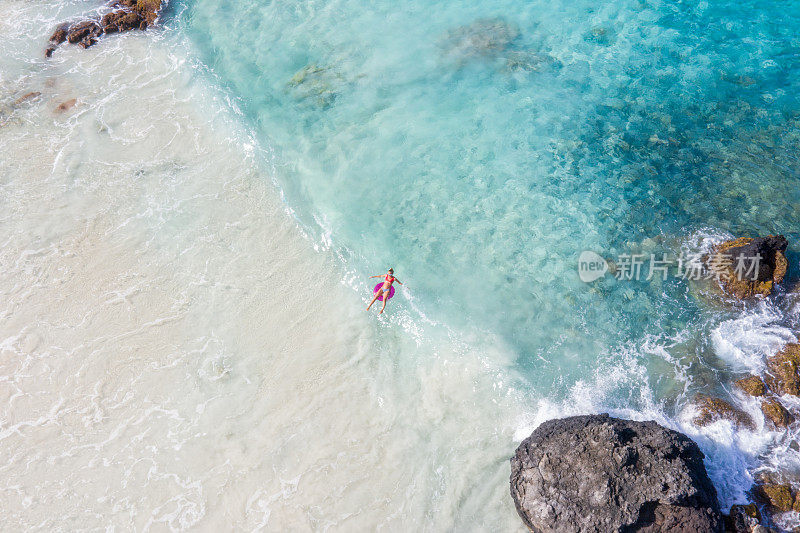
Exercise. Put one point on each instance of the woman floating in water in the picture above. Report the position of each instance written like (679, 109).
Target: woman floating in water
(385, 291)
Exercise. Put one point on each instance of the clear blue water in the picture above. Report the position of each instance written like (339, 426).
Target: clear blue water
(478, 148)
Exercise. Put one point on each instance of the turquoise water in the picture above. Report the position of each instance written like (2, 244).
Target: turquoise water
(478, 149)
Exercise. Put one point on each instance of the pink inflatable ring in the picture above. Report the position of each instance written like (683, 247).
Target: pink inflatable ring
(378, 288)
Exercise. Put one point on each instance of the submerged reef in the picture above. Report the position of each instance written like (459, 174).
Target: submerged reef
(484, 38)
(128, 15)
(598, 473)
(492, 40)
(316, 84)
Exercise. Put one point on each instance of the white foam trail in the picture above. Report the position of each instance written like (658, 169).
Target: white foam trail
(746, 341)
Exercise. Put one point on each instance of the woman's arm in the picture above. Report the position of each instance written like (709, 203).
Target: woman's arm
(378, 276)
(398, 281)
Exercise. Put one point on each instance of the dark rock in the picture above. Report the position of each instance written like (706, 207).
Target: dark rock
(752, 385)
(135, 14)
(782, 370)
(713, 409)
(122, 21)
(597, 473)
(148, 9)
(742, 518)
(84, 33)
(748, 267)
(776, 413)
(60, 34)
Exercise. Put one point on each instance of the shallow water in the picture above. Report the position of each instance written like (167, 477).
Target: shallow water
(479, 150)
(165, 365)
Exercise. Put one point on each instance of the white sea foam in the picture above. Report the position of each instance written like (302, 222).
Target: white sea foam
(746, 340)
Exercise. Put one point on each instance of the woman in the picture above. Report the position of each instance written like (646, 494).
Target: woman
(388, 279)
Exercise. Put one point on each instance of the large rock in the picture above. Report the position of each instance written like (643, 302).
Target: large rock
(752, 385)
(776, 414)
(783, 370)
(121, 20)
(778, 497)
(602, 474)
(749, 267)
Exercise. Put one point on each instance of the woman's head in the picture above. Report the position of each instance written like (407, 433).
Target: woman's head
(391, 271)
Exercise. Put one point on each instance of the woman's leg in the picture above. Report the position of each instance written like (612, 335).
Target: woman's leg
(373, 299)
(385, 299)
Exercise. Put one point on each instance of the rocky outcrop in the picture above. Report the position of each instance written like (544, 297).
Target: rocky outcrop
(752, 385)
(84, 33)
(782, 370)
(778, 497)
(122, 21)
(748, 267)
(129, 15)
(598, 473)
(713, 409)
(743, 518)
(776, 414)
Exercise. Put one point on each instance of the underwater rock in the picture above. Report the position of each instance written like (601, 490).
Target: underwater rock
(486, 38)
(597, 473)
(317, 84)
(133, 15)
(752, 385)
(776, 413)
(750, 267)
(742, 518)
(27, 96)
(713, 409)
(740, 80)
(530, 61)
(782, 370)
(64, 106)
(599, 35)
